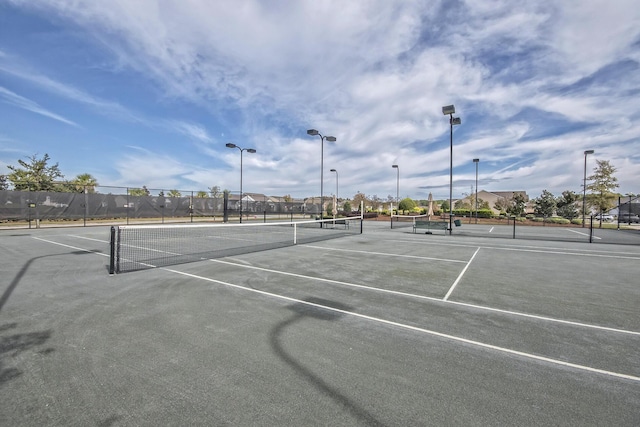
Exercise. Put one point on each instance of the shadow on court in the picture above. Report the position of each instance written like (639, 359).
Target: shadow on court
(316, 309)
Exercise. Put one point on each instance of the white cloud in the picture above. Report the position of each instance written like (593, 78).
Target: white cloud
(375, 75)
(16, 100)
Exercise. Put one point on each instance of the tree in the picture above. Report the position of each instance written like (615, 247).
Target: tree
(36, 175)
(347, 207)
(517, 204)
(601, 188)
(545, 205)
(3, 182)
(202, 195)
(444, 207)
(287, 198)
(82, 182)
(139, 191)
(483, 204)
(174, 193)
(375, 202)
(359, 197)
(215, 191)
(566, 205)
(462, 204)
(406, 204)
(501, 204)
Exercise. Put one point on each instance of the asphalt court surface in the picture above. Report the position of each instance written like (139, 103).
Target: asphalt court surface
(384, 328)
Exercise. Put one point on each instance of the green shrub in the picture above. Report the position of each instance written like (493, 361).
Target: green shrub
(577, 221)
(537, 219)
(558, 220)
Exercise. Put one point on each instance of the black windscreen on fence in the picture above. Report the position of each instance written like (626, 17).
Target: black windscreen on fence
(121, 203)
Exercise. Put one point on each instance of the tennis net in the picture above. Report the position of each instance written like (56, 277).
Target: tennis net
(139, 247)
(398, 221)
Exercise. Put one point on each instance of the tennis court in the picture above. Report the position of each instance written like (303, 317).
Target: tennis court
(386, 327)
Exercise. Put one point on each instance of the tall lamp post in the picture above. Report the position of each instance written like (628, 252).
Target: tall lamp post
(476, 161)
(333, 170)
(322, 138)
(450, 111)
(248, 150)
(397, 168)
(584, 185)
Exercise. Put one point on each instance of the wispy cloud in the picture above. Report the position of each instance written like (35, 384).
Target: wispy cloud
(16, 100)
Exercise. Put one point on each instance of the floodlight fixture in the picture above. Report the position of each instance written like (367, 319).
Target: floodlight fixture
(455, 120)
(448, 110)
(230, 145)
(312, 132)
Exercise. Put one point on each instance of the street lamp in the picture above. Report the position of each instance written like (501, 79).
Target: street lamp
(248, 150)
(476, 161)
(584, 185)
(450, 110)
(322, 138)
(333, 170)
(397, 168)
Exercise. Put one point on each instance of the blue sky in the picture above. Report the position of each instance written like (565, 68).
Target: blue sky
(148, 92)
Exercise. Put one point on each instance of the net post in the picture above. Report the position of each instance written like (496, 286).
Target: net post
(112, 255)
(591, 229)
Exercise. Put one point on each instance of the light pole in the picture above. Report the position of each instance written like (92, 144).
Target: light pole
(450, 110)
(333, 170)
(476, 161)
(397, 168)
(248, 150)
(584, 185)
(322, 138)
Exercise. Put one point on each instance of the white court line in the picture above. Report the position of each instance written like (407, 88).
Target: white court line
(583, 234)
(70, 247)
(417, 329)
(382, 253)
(538, 249)
(446, 297)
(373, 288)
(424, 297)
(491, 229)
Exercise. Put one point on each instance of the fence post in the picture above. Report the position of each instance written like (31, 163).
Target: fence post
(514, 226)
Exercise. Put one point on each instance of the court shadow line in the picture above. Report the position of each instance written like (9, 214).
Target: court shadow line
(302, 311)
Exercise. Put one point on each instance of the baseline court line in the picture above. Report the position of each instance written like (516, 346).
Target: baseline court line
(446, 297)
(417, 329)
